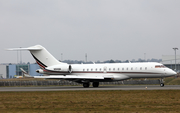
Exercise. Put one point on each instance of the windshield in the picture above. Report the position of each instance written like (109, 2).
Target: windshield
(160, 66)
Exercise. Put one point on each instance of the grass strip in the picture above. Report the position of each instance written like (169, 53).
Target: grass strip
(91, 101)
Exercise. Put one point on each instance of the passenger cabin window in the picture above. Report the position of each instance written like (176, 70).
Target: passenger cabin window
(87, 69)
(109, 69)
(100, 69)
(118, 69)
(83, 69)
(131, 68)
(114, 69)
(91, 69)
(122, 68)
(96, 69)
(140, 68)
(127, 69)
(145, 68)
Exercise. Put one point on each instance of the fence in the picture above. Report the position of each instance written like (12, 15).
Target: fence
(48, 83)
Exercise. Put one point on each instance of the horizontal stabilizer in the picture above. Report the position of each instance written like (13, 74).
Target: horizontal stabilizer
(29, 48)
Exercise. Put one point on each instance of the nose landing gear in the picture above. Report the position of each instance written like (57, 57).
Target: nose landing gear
(161, 82)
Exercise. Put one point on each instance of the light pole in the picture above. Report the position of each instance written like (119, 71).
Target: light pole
(144, 57)
(61, 57)
(17, 73)
(175, 56)
(20, 56)
(86, 57)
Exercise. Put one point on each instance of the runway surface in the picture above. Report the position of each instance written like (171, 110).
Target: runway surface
(76, 88)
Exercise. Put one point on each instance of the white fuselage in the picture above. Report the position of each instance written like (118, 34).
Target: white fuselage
(131, 70)
(86, 73)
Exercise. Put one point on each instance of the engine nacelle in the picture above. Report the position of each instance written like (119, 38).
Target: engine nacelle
(40, 71)
(61, 68)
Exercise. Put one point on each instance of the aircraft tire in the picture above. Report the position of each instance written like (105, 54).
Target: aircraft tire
(95, 84)
(162, 84)
(85, 85)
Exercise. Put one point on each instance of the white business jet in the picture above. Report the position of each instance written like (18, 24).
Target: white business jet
(95, 73)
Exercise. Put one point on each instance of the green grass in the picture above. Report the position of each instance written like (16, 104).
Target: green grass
(91, 101)
(172, 81)
(167, 80)
(27, 79)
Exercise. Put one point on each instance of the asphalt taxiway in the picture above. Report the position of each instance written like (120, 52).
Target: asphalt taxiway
(79, 88)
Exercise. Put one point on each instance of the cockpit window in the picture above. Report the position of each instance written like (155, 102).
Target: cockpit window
(160, 66)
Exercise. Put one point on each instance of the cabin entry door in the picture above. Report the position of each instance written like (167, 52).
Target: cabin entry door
(105, 69)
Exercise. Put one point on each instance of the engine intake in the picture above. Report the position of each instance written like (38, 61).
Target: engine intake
(40, 71)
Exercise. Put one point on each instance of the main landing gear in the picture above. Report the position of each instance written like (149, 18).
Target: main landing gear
(161, 82)
(95, 84)
(86, 85)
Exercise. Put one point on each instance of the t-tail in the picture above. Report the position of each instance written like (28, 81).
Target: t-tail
(41, 55)
(25, 74)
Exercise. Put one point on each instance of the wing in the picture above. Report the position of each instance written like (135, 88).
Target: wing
(92, 78)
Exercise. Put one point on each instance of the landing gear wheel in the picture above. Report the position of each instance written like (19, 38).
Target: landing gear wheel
(162, 84)
(85, 85)
(95, 84)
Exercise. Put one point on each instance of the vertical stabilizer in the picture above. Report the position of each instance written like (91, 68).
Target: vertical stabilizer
(41, 55)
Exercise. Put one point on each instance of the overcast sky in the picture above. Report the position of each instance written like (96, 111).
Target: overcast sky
(104, 29)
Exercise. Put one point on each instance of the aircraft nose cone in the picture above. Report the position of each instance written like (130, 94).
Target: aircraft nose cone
(170, 72)
(173, 72)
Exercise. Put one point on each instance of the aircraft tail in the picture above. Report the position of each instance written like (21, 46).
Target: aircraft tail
(41, 55)
(25, 74)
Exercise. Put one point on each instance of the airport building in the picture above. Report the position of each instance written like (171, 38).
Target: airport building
(169, 61)
(172, 66)
(11, 70)
(4, 71)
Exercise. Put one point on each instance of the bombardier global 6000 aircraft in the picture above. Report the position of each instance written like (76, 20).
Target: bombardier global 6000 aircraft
(95, 73)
